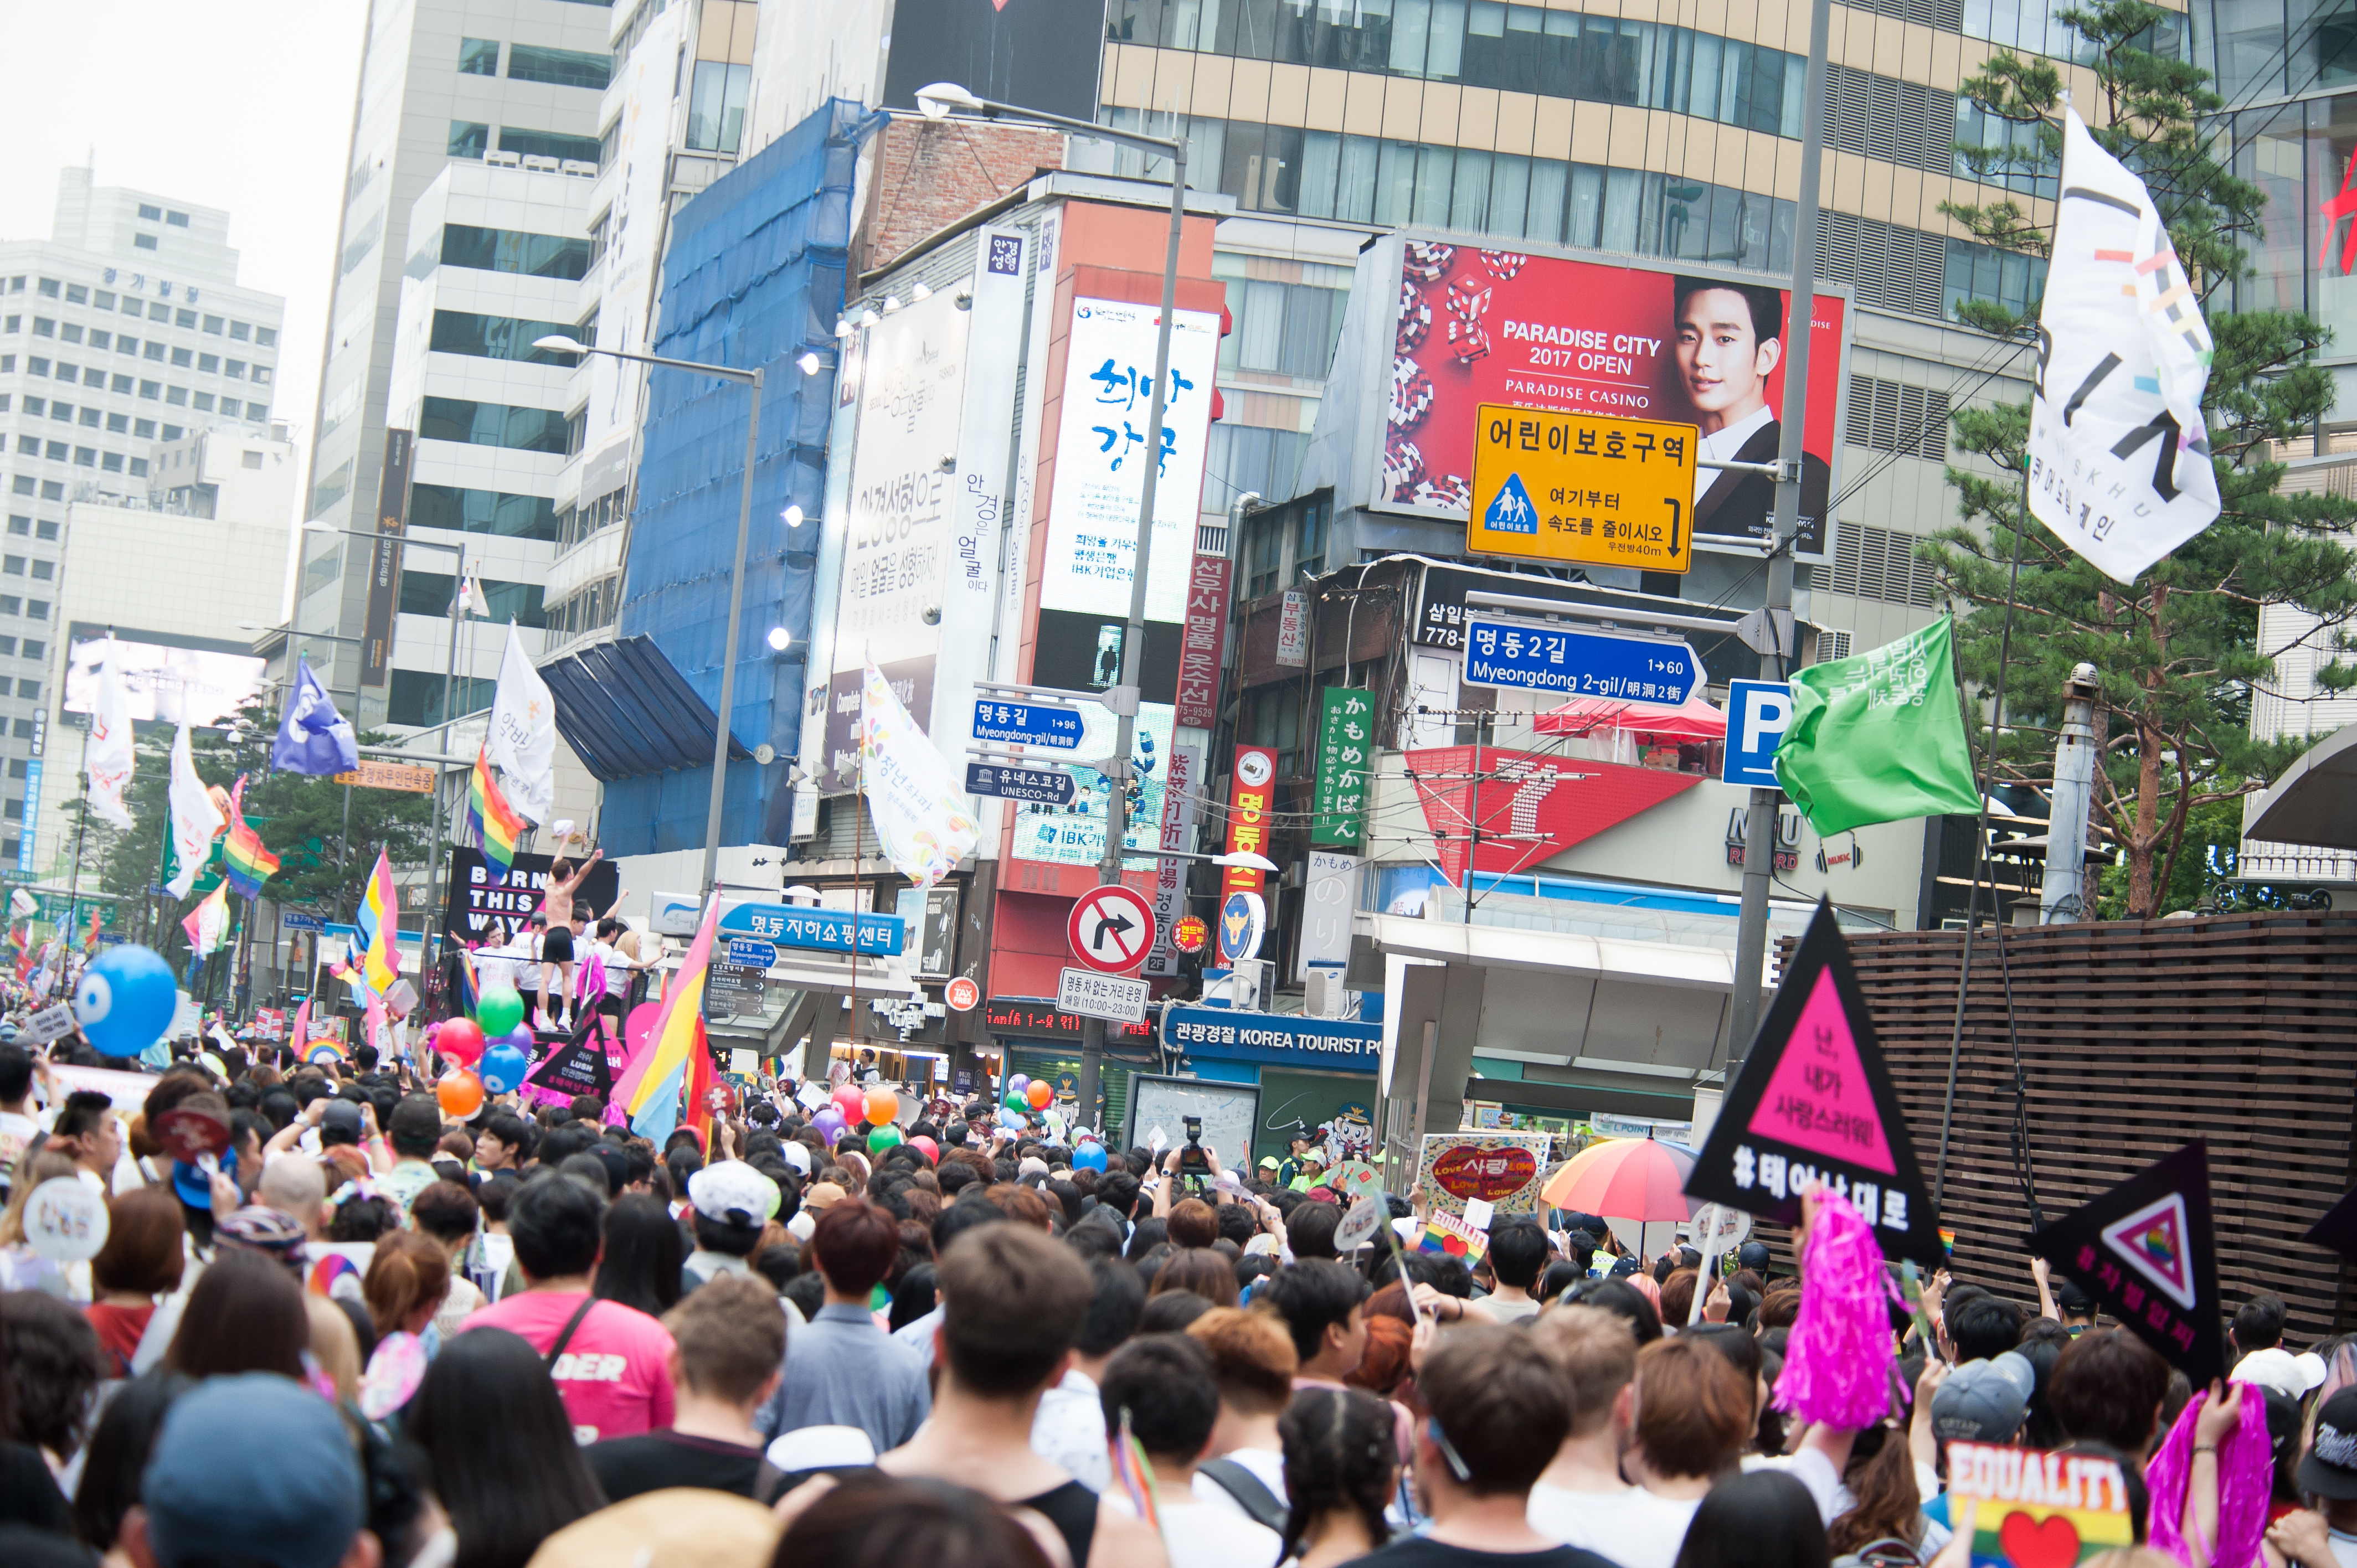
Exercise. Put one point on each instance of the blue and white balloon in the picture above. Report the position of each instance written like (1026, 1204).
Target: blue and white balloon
(126, 1001)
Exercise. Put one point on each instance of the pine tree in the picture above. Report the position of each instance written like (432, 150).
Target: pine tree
(2177, 651)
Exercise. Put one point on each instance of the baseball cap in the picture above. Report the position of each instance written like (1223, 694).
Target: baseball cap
(1984, 1401)
(341, 1115)
(797, 1154)
(252, 1467)
(2329, 1468)
(2277, 1368)
(733, 1193)
(1031, 1167)
(678, 1527)
(1269, 1162)
(1753, 1255)
(822, 1196)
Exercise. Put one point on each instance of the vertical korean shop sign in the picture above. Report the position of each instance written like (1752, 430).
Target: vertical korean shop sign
(1250, 797)
(1345, 741)
(1202, 642)
(384, 559)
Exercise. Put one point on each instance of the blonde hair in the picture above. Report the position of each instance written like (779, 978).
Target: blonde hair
(335, 1345)
(408, 1271)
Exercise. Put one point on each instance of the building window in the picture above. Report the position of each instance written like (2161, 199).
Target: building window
(482, 512)
(151, 214)
(176, 219)
(251, 460)
(139, 467)
(71, 333)
(239, 332)
(177, 395)
(478, 57)
(496, 337)
(144, 428)
(111, 462)
(155, 350)
(264, 337)
(414, 696)
(235, 370)
(118, 425)
(22, 526)
(143, 242)
(51, 490)
(715, 109)
(490, 424)
(209, 364)
(429, 594)
(548, 144)
(44, 328)
(513, 251)
(204, 403)
(213, 324)
(470, 138)
(564, 67)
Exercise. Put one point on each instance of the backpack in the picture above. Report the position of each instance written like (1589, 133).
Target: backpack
(1889, 1552)
(1251, 1494)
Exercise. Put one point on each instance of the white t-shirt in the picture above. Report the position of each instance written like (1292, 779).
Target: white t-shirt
(1632, 1527)
(1267, 1467)
(1814, 1471)
(1197, 1536)
(1068, 1430)
(2345, 1547)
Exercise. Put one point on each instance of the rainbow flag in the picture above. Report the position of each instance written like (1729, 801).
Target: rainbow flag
(493, 824)
(471, 984)
(377, 918)
(208, 923)
(246, 864)
(650, 1089)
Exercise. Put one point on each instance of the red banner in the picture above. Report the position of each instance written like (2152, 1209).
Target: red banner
(1529, 807)
(1250, 795)
(1473, 327)
(1200, 644)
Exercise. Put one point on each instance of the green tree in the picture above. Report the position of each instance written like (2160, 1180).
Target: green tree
(300, 819)
(2177, 653)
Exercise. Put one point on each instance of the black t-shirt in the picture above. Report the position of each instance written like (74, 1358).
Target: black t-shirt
(627, 1466)
(1418, 1552)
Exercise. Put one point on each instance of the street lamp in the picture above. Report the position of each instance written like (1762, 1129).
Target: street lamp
(752, 378)
(937, 102)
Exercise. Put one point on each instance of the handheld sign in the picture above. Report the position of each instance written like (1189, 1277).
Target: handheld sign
(1813, 1103)
(2039, 1510)
(575, 1067)
(189, 1131)
(1359, 1227)
(2147, 1253)
(65, 1221)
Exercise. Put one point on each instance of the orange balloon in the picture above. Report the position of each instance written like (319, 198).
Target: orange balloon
(1040, 1095)
(460, 1093)
(882, 1106)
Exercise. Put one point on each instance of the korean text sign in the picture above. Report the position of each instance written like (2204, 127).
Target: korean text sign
(1101, 459)
(1474, 326)
(1249, 800)
(1581, 486)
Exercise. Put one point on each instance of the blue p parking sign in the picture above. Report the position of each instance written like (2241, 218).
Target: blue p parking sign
(1758, 714)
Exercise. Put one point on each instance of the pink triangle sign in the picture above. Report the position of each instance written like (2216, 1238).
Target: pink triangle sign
(2157, 1241)
(1818, 1098)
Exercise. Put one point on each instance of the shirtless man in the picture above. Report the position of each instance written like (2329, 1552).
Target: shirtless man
(556, 948)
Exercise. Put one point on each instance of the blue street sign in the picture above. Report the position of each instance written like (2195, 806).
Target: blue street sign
(1046, 786)
(1758, 714)
(819, 931)
(1288, 1039)
(1026, 723)
(1579, 663)
(295, 920)
(752, 952)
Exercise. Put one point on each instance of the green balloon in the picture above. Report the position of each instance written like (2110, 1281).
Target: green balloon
(1015, 1102)
(882, 1138)
(498, 1011)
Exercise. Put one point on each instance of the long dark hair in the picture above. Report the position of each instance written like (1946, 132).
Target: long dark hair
(1762, 1519)
(640, 1266)
(1339, 1454)
(500, 1449)
(246, 1314)
(118, 1452)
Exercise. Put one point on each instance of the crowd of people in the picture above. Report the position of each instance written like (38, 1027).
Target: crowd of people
(368, 1335)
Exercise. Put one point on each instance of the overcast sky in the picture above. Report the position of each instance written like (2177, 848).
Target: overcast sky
(240, 104)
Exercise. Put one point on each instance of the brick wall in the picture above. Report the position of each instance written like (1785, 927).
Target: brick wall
(929, 173)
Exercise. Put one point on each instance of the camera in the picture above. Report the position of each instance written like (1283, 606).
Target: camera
(1194, 1165)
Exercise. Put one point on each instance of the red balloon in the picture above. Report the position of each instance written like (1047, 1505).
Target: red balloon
(461, 1039)
(853, 1104)
(927, 1148)
(460, 1093)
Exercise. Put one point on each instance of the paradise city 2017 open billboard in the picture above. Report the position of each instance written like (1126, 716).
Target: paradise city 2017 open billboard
(1702, 346)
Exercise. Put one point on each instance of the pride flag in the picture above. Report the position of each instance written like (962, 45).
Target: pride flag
(247, 865)
(493, 824)
(376, 920)
(208, 923)
(470, 985)
(650, 1089)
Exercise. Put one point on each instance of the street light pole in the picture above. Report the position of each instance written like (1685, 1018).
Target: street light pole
(1775, 660)
(752, 378)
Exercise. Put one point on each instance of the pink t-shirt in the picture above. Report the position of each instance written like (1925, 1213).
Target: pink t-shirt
(614, 1375)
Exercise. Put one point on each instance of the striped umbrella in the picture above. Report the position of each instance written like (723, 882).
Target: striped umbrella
(1624, 1178)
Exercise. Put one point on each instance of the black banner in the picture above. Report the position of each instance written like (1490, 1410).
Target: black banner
(578, 1066)
(385, 560)
(487, 909)
(2148, 1252)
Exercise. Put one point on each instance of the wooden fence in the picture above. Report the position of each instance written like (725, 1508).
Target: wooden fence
(2134, 1037)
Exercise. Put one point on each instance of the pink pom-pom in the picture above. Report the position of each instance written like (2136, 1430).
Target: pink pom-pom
(2246, 1482)
(1838, 1360)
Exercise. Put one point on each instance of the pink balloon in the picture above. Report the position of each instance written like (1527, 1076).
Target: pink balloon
(461, 1040)
(927, 1148)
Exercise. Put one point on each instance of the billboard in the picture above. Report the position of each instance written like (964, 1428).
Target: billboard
(1092, 542)
(1075, 834)
(1040, 53)
(199, 686)
(1700, 347)
(486, 909)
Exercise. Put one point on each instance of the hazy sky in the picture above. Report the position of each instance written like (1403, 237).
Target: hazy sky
(240, 104)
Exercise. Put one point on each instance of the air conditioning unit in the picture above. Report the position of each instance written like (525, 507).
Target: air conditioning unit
(1325, 997)
(577, 166)
(540, 162)
(504, 160)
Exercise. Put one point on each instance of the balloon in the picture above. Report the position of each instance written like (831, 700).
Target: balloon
(1040, 1095)
(523, 1039)
(499, 1010)
(882, 1137)
(1018, 1084)
(1011, 1121)
(461, 1040)
(1015, 1101)
(1089, 1158)
(460, 1092)
(503, 1066)
(829, 1125)
(927, 1148)
(852, 1102)
(125, 1000)
(882, 1106)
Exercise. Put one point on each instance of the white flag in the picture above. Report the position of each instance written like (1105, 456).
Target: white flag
(523, 737)
(469, 600)
(917, 802)
(107, 755)
(2119, 453)
(195, 818)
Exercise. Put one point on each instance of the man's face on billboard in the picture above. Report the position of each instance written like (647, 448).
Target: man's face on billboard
(1722, 359)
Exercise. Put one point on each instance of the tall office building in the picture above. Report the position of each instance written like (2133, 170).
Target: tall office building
(514, 82)
(126, 330)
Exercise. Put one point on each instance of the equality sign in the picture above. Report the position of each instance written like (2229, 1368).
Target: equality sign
(2038, 1508)
(2148, 1254)
(1813, 1103)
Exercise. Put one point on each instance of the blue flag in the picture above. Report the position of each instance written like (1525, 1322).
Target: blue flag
(312, 736)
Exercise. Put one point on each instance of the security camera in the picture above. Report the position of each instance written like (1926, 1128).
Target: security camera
(932, 615)
(963, 299)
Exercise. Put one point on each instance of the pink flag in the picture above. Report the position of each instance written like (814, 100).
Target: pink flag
(300, 1034)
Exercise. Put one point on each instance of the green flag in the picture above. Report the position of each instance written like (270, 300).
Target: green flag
(1879, 737)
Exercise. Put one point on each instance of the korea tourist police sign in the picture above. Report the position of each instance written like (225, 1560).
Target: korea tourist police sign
(1813, 1103)
(1285, 1039)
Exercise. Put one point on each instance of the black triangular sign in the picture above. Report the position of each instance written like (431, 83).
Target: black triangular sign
(2338, 1229)
(1813, 1101)
(575, 1067)
(2145, 1252)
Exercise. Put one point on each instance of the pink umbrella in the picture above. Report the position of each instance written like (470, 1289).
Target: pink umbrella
(1624, 1178)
